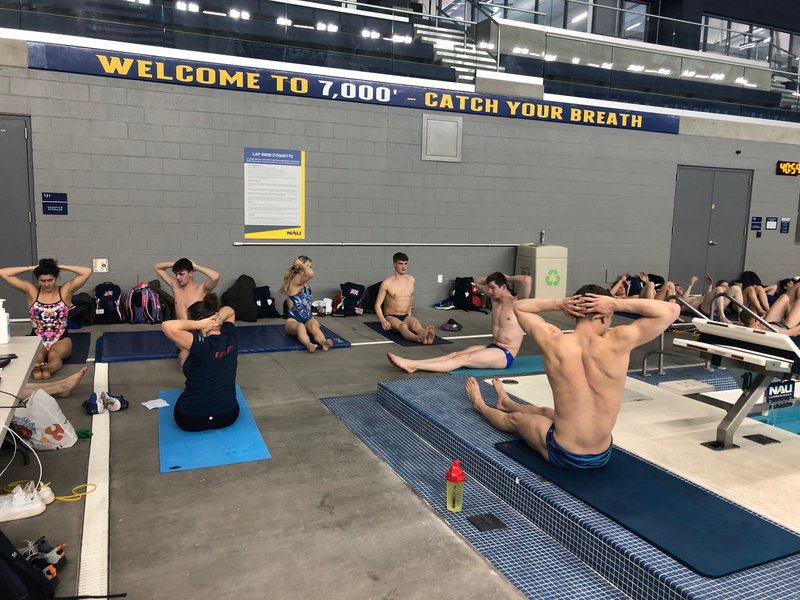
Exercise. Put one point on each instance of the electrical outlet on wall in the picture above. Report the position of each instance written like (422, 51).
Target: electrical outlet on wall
(100, 265)
(439, 278)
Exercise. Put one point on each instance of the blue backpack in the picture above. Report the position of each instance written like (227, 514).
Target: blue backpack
(107, 307)
(143, 305)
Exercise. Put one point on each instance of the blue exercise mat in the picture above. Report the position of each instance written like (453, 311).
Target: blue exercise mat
(180, 450)
(122, 346)
(708, 534)
(399, 339)
(273, 338)
(522, 364)
(80, 348)
(153, 345)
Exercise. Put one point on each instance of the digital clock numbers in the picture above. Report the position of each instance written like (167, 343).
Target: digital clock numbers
(788, 167)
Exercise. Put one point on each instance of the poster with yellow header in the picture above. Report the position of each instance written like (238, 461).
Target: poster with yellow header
(274, 194)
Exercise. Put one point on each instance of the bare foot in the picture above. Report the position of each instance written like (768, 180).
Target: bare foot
(430, 334)
(311, 347)
(37, 371)
(474, 394)
(46, 373)
(68, 384)
(502, 396)
(327, 345)
(400, 363)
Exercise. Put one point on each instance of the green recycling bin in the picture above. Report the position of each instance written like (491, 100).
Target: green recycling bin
(547, 265)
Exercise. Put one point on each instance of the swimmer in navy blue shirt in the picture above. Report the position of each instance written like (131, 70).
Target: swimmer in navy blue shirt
(586, 370)
(208, 400)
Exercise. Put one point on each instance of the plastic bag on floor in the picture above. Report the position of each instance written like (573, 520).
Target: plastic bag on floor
(49, 428)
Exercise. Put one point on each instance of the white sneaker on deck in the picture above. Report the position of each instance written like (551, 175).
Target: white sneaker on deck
(21, 503)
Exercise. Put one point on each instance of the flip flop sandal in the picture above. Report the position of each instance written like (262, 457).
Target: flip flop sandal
(451, 325)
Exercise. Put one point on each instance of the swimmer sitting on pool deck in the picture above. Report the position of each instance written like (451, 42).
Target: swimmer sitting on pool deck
(586, 370)
(397, 292)
(500, 354)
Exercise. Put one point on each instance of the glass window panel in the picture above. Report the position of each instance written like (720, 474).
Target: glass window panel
(521, 16)
(716, 35)
(554, 13)
(578, 16)
(741, 40)
(633, 23)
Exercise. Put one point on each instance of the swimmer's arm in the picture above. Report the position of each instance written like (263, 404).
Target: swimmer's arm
(10, 276)
(180, 330)
(211, 274)
(656, 316)
(527, 312)
(615, 288)
(226, 315)
(303, 273)
(481, 283)
(161, 271)
(379, 306)
(82, 275)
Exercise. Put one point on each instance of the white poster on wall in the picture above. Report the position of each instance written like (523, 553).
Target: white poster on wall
(274, 193)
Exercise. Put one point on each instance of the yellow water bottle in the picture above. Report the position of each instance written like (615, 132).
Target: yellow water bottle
(455, 487)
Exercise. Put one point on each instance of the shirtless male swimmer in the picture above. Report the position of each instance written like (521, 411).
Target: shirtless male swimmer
(185, 289)
(395, 301)
(506, 338)
(586, 370)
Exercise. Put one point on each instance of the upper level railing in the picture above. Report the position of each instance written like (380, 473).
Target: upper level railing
(357, 36)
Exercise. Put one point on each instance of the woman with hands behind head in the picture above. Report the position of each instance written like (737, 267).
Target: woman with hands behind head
(301, 322)
(49, 309)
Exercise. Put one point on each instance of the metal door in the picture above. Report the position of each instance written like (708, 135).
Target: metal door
(709, 225)
(17, 228)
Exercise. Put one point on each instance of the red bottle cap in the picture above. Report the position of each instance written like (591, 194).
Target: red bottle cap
(455, 473)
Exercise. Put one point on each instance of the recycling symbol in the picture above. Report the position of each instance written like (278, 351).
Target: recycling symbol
(552, 278)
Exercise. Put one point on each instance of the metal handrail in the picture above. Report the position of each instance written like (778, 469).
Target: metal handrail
(686, 305)
(522, 10)
(743, 307)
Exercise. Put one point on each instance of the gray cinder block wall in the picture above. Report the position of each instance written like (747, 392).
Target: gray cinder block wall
(154, 171)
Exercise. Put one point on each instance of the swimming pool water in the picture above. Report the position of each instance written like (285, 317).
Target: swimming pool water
(787, 419)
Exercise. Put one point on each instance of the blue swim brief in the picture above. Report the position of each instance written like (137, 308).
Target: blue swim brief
(509, 356)
(564, 459)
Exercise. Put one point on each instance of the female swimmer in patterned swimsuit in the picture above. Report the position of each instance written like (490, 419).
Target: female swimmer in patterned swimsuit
(301, 322)
(49, 307)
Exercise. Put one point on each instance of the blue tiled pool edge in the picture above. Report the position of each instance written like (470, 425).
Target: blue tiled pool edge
(530, 559)
(436, 410)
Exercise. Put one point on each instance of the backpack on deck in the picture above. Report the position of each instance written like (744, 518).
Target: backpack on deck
(143, 305)
(240, 297)
(265, 303)
(20, 580)
(167, 301)
(81, 308)
(350, 304)
(107, 307)
(466, 295)
(370, 296)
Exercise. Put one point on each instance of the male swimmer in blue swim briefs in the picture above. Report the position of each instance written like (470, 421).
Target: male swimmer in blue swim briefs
(500, 354)
(586, 370)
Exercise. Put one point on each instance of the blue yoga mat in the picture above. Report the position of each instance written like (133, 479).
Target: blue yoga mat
(522, 364)
(122, 346)
(708, 534)
(80, 348)
(273, 338)
(180, 450)
(125, 346)
(399, 339)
